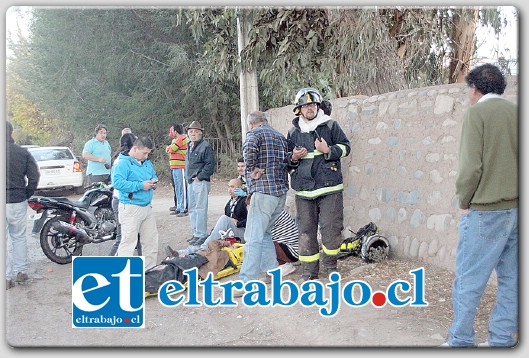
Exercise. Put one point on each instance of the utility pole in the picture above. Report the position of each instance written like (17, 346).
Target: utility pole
(248, 79)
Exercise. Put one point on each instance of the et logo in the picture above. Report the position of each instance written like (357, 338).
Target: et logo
(108, 292)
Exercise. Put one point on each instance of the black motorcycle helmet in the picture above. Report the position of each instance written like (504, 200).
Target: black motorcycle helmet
(306, 96)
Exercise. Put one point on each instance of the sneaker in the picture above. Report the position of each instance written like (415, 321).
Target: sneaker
(169, 251)
(484, 345)
(286, 269)
(192, 238)
(179, 214)
(172, 208)
(9, 284)
(173, 212)
(198, 241)
(446, 345)
(266, 278)
(21, 277)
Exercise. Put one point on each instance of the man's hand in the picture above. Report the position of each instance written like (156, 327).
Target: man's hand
(257, 173)
(239, 192)
(322, 146)
(248, 198)
(298, 153)
(149, 184)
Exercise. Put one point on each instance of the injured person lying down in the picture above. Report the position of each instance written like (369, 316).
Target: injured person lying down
(220, 257)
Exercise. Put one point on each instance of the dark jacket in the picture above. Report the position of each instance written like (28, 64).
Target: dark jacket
(20, 165)
(200, 161)
(316, 170)
(240, 213)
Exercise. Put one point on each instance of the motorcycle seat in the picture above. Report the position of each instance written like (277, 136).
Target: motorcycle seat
(77, 203)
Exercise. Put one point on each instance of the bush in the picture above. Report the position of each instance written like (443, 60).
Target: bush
(226, 167)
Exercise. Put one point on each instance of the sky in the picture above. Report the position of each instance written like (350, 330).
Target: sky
(490, 45)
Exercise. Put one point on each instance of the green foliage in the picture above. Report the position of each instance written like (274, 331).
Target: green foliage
(227, 168)
(149, 68)
(137, 68)
(31, 125)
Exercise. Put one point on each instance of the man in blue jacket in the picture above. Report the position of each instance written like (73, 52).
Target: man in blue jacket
(200, 166)
(135, 179)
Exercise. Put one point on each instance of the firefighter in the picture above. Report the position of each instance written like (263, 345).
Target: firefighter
(317, 145)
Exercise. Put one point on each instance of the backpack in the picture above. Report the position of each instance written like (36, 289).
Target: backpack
(366, 243)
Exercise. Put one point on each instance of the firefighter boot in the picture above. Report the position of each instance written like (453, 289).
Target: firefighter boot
(329, 264)
(310, 270)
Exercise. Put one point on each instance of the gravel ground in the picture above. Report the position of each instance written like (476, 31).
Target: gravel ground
(39, 314)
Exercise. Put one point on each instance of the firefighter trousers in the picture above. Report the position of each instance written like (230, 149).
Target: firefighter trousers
(325, 212)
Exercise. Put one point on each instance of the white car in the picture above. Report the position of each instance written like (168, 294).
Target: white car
(59, 168)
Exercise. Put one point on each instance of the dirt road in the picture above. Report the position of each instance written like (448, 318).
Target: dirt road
(39, 314)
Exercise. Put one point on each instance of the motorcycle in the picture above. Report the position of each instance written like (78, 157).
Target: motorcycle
(65, 225)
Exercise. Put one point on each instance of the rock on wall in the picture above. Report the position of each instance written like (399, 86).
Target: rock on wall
(403, 164)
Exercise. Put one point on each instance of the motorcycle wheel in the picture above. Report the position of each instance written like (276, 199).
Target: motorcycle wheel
(58, 247)
(105, 214)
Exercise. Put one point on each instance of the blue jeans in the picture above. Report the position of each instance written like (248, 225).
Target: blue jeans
(180, 189)
(16, 223)
(259, 250)
(198, 207)
(488, 240)
(223, 223)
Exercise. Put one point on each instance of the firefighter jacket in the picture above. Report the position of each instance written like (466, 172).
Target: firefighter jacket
(318, 174)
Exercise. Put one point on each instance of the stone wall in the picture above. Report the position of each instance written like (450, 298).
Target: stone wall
(403, 164)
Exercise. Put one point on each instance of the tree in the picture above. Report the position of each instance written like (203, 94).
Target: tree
(123, 67)
(347, 51)
(147, 68)
(33, 125)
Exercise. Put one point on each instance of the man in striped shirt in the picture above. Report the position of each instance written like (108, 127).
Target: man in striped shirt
(177, 162)
(285, 235)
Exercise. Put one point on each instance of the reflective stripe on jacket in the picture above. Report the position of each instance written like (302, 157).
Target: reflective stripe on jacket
(318, 174)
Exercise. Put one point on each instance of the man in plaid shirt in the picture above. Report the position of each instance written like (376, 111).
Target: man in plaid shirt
(265, 151)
